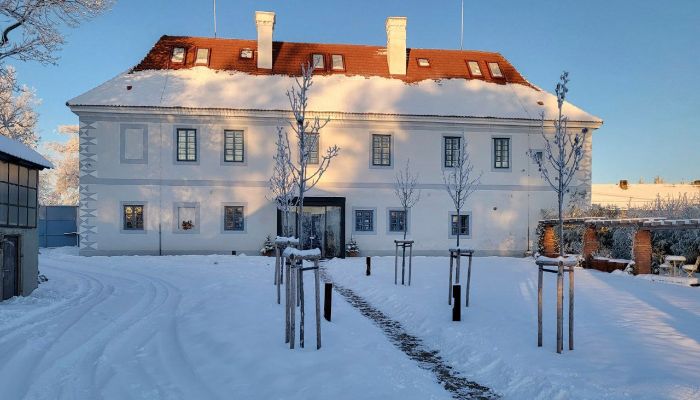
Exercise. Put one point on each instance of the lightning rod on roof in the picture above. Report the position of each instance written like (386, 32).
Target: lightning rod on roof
(461, 29)
(214, 1)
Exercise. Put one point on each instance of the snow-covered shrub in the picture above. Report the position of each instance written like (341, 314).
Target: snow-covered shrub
(622, 241)
(352, 249)
(268, 247)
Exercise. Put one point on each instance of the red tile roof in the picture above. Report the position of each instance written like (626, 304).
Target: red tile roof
(359, 60)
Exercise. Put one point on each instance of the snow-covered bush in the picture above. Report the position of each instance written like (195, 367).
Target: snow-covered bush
(622, 241)
(352, 249)
(268, 247)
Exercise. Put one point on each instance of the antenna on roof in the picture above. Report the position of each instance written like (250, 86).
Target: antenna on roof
(214, 18)
(461, 29)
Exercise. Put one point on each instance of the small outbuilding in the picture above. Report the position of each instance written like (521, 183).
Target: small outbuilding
(19, 242)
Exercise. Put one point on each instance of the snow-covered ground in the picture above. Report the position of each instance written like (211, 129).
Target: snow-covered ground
(192, 327)
(634, 338)
(189, 327)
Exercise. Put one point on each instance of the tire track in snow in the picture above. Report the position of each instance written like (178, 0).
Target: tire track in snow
(459, 387)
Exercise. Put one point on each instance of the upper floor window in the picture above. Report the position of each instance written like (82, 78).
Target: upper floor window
(187, 145)
(501, 153)
(337, 62)
(318, 61)
(397, 220)
(202, 57)
(495, 70)
(311, 144)
(233, 218)
(178, 55)
(133, 217)
(452, 148)
(381, 150)
(460, 224)
(18, 195)
(474, 68)
(364, 220)
(233, 146)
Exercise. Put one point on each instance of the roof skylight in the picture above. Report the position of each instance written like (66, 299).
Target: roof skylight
(318, 61)
(495, 70)
(178, 55)
(423, 62)
(337, 62)
(202, 57)
(246, 53)
(474, 68)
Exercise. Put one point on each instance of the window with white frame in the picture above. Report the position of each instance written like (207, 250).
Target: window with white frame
(318, 61)
(133, 217)
(474, 68)
(397, 220)
(234, 219)
(364, 220)
(311, 143)
(187, 218)
(187, 145)
(178, 55)
(381, 150)
(233, 146)
(495, 70)
(202, 57)
(337, 62)
(452, 149)
(501, 153)
(459, 224)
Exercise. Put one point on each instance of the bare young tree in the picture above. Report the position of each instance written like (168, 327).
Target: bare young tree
(460, 181)
(17, 116)
(307, 131)
(406, 190)
(562, 154)
(282, 184)
(31, 28)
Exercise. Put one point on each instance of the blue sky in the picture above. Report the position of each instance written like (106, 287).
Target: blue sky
(633, 63)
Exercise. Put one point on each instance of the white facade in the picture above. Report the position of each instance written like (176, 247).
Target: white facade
(505, 205)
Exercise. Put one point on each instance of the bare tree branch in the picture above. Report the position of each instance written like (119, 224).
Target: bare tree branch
(460, 181)
(406, 190)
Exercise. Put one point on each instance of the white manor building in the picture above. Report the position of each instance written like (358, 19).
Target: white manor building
(175, 154)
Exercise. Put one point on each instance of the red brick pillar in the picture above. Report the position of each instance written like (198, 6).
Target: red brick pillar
(641, 251)
(590, 244)
(550, 241)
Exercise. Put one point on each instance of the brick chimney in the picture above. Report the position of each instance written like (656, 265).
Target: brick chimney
(396, 45)
(265, 22)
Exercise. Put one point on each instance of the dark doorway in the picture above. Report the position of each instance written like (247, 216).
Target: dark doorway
(324, 224)
(10, 267)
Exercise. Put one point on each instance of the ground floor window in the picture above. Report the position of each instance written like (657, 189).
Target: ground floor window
(187, 218)
(234, 219)
(364, 220)
(460, 224)
(133, 217)
(397, 220)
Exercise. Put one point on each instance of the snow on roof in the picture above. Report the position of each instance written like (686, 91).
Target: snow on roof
(23, 152)
(204, 88)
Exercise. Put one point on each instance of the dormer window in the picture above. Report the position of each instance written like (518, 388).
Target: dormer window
(178, 55)
(318, 61)
(423, 62)
(474, 68)
(495, 70)
(246, 53)
(202, 57)
(337, 62)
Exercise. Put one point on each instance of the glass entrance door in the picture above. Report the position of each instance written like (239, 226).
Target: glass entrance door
(321, 226)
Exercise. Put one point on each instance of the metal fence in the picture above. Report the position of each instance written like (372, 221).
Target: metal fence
(58, 226)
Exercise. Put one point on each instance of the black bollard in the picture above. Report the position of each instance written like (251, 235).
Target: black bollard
(456, 303)
(369, 265)
(327, 301)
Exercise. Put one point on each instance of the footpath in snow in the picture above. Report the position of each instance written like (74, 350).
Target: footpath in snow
(186, 327)
(634, 339)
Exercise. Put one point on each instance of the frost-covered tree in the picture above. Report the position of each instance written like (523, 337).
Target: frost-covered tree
(17, 116)
(406, 190)
(59, 186)
(282, 184)
(307, 132)
(562, 154)
(31, 28)
(460, 182)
